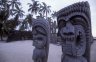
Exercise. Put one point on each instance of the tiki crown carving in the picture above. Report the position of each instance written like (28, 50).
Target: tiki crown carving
(81, 9)
(44, 24)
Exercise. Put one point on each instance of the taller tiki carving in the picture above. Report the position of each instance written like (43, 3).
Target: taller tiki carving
(74, 28)
(41, 39)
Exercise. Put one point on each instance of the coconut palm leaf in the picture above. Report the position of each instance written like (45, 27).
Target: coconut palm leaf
(45, 9)
(34, 7)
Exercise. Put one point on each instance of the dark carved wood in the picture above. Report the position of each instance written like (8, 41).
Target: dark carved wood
(74, 28)
(41, 39)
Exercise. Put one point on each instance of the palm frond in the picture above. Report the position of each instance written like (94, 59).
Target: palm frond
(44, 3)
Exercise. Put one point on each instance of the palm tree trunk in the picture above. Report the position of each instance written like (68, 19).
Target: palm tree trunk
(43, 14)
(1, 35)
(46, 15)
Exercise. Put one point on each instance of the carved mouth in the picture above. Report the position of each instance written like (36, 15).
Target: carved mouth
(69, 38)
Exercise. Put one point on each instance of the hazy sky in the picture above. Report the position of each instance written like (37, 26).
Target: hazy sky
(59, 4)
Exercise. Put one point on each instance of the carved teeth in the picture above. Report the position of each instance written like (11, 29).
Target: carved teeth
(69, 38)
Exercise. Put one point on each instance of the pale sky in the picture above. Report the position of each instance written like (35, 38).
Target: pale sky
(59, 4)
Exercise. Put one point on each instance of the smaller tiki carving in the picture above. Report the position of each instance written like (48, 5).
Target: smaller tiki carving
(74, 28)
(41, 38)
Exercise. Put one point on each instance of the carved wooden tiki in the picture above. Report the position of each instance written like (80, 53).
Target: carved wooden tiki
(74, 28)
(41, 38)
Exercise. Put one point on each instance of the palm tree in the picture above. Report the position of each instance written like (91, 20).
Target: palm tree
(12, 23)
(18, 12)
(4, 14)
(4, 10)
(15, 6)
(3, 3)
(14, 3)
(23, 26)
(27, 21)
(34, 7)
(40, 16)
(45, 9)
(54, 14)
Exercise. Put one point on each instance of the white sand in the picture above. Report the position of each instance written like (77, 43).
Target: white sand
(21, 51)
(93, 52)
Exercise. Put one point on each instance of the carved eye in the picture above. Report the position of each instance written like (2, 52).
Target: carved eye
(61, 24)
(78, 20)
(39, 38)
(71, 33)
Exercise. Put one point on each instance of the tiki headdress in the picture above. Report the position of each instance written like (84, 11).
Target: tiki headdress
(44, 27)
(81, 9)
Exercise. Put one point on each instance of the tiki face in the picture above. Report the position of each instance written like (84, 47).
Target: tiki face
(67, 33)
(39, 37)
(73, 36)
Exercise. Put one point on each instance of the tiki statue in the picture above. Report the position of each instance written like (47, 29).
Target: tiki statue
(74, 28)
(41, 38)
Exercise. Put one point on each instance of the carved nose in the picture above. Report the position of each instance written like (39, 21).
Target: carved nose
(68, 29)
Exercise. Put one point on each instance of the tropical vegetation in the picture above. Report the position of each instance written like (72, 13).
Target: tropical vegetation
(12, 15)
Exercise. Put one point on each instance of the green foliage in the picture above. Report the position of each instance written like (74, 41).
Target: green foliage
(8, 8)
(45, 9)
(18, 12)
(15, 4)
(13, 8)
(54, 14)
(27, 21)
(34, 7)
